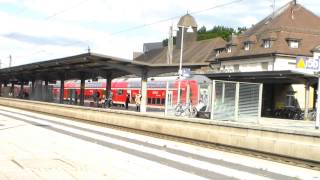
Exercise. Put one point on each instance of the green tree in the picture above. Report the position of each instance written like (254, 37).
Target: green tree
(165, 42)
(241, 30)
(216, 31)
(203, 29)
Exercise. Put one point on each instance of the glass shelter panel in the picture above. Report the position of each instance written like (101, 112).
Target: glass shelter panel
(248, 102)
(224, 102)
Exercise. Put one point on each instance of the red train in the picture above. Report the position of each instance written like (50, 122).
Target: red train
(156, 90)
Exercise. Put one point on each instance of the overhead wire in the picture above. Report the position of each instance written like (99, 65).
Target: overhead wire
(175, 17)
(65, 10)
(135, 27)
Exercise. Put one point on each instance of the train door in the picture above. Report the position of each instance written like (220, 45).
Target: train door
(130, 95)
(170, 98)
(71, 95)
(188, 93)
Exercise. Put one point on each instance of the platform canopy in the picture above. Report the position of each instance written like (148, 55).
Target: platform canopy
(288, 76)
(88, 65)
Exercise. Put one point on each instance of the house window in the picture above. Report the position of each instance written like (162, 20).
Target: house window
(264, 66)
(267, 43)
(290, 100)
(229, 49)
(247, 46)
(293, 44)
(119, 91)
(236, 68)
(218, 52)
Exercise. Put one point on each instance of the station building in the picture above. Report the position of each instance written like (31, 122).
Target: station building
(266, 53)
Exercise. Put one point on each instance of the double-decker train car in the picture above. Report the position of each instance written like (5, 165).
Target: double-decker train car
(156, 90)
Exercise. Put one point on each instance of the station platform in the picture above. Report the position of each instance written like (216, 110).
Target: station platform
(39, 146)
(294, 139)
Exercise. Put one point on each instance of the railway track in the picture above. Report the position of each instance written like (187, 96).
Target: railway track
(235, 150)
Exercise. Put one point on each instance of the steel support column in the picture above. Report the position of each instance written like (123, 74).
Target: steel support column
(143, 105)
(108, 85)
(40, 96)
(12, 89)
(306, 104)
(61, 91)
(46, 87)
(21, 89)
(82, 88)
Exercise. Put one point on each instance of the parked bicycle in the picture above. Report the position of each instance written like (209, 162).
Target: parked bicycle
(293, 113)
(187, 110)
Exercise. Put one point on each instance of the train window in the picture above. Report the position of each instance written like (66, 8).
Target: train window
(119, 91)
(149, 100)
(163, 101)
(158, 101)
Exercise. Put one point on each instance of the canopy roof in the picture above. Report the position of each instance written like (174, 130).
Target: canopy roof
(88, 65)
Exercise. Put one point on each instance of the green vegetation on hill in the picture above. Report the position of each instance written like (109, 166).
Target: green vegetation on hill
(216, 31)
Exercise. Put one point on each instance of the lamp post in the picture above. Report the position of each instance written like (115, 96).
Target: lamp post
(185, 22)
(180, 66)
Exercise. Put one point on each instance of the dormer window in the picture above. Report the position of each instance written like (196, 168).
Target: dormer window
(218, 52)
(229, 49)
(247, 46)
(293, 43)
(267, 43)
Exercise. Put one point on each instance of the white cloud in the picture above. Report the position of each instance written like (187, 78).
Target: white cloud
(95, 21)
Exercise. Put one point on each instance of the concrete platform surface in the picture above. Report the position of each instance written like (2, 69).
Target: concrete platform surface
(38, 146)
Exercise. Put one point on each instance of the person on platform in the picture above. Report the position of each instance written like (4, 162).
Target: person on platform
(96, 97)
(138, 101)
(127, 101)
(109, 100)
(76, 98)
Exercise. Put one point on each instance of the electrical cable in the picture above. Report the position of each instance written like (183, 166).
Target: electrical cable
(135, 27)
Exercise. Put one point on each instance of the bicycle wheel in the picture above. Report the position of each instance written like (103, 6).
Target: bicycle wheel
(193, 112)
(178, 110)
(186, 112)
(178, 113)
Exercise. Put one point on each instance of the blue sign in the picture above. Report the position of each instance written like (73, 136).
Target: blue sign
(312, 64)
(305, 63)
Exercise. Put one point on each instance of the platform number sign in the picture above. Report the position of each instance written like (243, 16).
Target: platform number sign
(303, 62)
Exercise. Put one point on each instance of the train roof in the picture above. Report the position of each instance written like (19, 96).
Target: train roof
(153, 82)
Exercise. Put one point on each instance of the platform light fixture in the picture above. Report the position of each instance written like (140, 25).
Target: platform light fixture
(185, 22)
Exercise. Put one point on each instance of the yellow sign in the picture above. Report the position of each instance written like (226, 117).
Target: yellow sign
(301, 63)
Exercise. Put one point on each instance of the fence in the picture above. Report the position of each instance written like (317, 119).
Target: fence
(237, 101)
(219, 100)
(39, 92)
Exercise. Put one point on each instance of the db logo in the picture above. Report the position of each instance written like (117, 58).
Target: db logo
(312, 64)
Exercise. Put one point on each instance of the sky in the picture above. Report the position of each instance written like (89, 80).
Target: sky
(39, 30)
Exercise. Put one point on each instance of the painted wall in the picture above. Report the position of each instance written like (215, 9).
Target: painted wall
(248, 65)
(282, 90)
(279, 63)
(284, 63)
